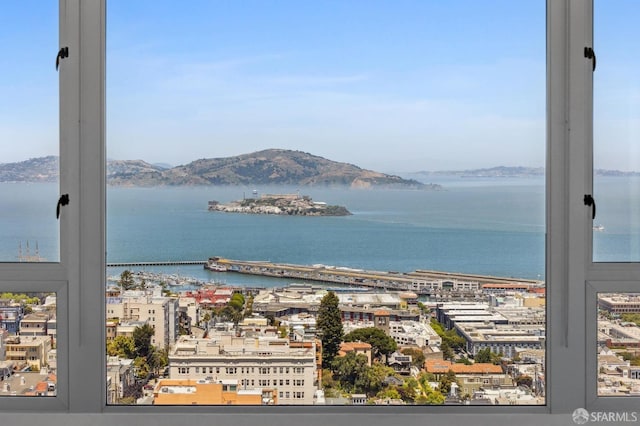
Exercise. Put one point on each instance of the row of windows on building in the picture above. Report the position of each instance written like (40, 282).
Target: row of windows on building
(296, 395)
(274, 382)
(242, 370)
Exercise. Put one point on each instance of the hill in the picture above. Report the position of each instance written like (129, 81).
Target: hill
(281, 167)
(268, 167)
(43, 169)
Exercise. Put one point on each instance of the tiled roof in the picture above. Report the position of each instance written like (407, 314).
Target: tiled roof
(351, 346)
(440, 366)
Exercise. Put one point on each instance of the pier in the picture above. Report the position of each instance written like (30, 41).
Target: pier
(167, 263)
(422, 282)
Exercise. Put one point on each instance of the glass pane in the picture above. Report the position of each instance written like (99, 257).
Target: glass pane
(386, 157)
(28, 339)
(616, 236)
(29, 132)
(619, 344)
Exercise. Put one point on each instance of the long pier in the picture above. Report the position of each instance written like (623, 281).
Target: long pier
(420, 281)
(167, 263)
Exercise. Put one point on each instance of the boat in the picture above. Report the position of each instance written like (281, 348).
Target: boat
(598, 228)
(215, 267)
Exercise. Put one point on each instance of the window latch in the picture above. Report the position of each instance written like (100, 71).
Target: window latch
(589, 53)
(589, 201)
(62, 53)
(63, 201)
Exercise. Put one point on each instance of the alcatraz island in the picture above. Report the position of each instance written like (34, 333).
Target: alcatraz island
(280, 204)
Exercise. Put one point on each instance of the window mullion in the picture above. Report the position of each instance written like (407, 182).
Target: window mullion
(83, 132)
(568, 165)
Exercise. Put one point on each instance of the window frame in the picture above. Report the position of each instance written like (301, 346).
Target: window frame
(572, 278)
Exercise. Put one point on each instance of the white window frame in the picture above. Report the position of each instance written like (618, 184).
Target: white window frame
(572, 278)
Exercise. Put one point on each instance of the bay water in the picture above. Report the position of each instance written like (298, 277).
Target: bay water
(490, 226)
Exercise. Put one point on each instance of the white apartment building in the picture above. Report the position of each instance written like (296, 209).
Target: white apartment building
(405, 333)
(255, 362)
(145, 306)
(413, 333)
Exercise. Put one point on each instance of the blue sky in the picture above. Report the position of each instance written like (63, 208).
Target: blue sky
(388, 85)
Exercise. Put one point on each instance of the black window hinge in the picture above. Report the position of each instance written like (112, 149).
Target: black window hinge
(63, 201)
(589, 201)
(62, 53)
(589, 53)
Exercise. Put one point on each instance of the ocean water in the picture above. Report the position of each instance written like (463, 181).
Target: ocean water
(484, 226)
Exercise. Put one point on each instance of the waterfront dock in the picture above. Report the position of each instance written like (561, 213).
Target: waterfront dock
(167, 263)
(422, 282)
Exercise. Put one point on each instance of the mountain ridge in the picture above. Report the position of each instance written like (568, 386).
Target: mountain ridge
(266, 167)
(272, 166)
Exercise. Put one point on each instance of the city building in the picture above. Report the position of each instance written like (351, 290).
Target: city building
(450, 313)
(400, 362)
(35, 324)
(28, 351)
(451, 285)
(10, 315)
(500, 339)
(617, 334)
(147, 307)
(413, 333)
(265, 362)
(208, 392)
(120, 377)
(361, 348)
(471, 377)
(620, 303)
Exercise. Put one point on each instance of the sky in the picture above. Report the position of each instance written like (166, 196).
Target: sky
(394, 86)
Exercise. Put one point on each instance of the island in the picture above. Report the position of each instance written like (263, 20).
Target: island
(280, 204)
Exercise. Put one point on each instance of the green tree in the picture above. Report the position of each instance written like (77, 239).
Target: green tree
(158, 359)
(142, 340)
(391, 393)
(451, 341)
(248, 310)
(370, 379)
(330, 329)
(426, 394)
(486, 356)
(524, 380)
(142, 367)
(347, 369)
(447, 352)
(417, 356)
(126, 281)
(122, 346)
(631, 317)
(464, 360)
(380, 342)
(236, 302)
(445, 382)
